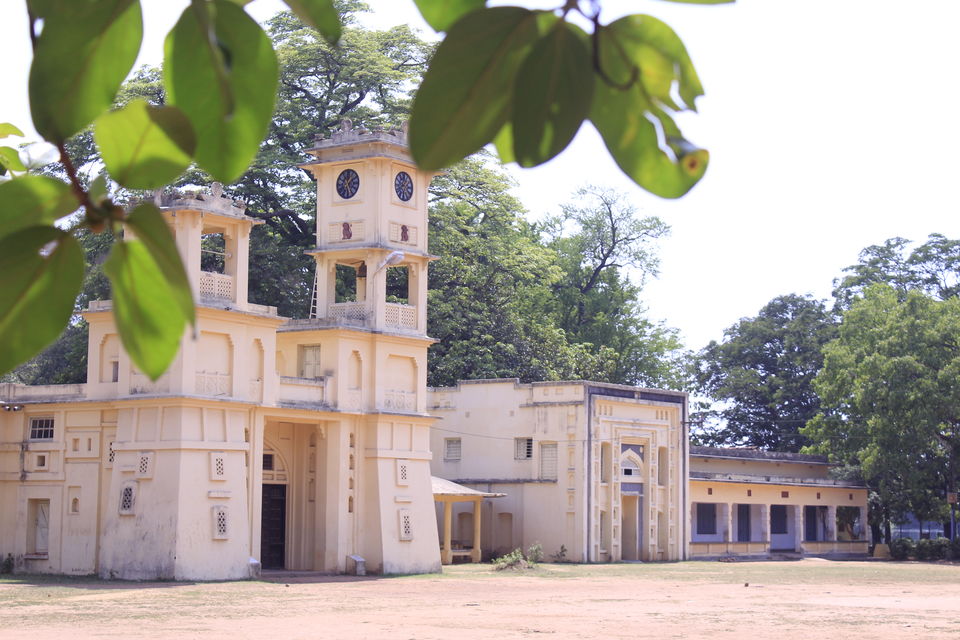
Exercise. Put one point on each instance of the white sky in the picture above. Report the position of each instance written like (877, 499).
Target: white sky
(831, 126)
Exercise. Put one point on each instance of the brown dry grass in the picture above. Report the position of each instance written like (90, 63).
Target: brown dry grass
(784, 600)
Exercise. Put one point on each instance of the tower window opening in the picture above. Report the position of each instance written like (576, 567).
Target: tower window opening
(213, 253)
(398, 285)
(346, 283)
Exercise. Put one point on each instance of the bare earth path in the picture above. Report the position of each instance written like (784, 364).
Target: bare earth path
(804, 600)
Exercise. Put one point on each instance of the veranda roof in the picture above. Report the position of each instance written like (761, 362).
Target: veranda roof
(445, 488)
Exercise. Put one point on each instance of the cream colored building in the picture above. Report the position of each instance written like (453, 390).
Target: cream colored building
(599, 470)
(301, 444)
(758, 503)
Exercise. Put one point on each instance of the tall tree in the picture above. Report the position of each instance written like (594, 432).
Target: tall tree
(762, 375)
(606, 251)
(890, 390)
(932, 267)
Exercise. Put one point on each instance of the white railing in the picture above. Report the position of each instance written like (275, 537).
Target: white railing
(214, 384)
(302, 390)
(400, 400)
(400, 315)
(216, 285)
(355, 313)
(140, 383)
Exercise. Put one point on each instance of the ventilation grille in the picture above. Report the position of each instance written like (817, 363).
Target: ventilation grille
(218, 466)
(221, 522)
(145, 465)
(406, 524)
(403, 472)
(128, 497)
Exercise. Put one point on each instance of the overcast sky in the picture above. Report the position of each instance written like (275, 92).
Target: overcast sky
(831, 126)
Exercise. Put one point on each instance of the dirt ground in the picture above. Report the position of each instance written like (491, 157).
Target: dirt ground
(781, 600)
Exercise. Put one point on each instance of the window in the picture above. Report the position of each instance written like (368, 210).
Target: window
(310, 361)
(548, 461)
(706, 518)
(451, 448)
(268, 462)
(41, 428)
(778, 519)
(523, 448)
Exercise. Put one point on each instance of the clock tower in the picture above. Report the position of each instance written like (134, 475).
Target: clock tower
(366, 337)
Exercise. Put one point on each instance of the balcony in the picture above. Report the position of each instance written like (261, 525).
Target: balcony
(351, 313)
(400, 400)
(303, 391)
(403, 316)
(218, 286)
(214, 384)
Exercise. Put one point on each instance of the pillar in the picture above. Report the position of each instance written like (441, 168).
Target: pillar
(863, 524)
(447, 555)
(765, 525)
(798, 527)
(475, 554)
(728, 533)
(831, 523)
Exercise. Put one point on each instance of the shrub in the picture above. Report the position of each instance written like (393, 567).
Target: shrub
(561, 555)
(902, 548)
(535, 553)
(512, 560)
(7, 565)
(955, 547)
(936, 549)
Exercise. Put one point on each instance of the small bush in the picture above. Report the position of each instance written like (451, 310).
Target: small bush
(902, 548)
(561, 555)
(535, 553)
(936, 549)
(512, 560)
(955, 548)
(7, 565)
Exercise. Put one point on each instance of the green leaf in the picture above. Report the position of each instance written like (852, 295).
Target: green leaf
(465, 96)
(42, 271)
(229, 128)
(148, 317)
(145, 147)
(651, 46)
(503, 142)
(441, 14)
(319, 14)
(10, 159)
(552, 95)
(151, 229)
(33, 200)
(628, 116)
(7, 129)
(82, 55)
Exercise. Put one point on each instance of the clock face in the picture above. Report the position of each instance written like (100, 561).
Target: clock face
(403, 185)
(348, 182)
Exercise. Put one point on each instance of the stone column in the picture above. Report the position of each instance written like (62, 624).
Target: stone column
(765, 525)
(728, 534)
(864, 528)
(798, 527)
(447, 555)
(475, 555)
(831, 523)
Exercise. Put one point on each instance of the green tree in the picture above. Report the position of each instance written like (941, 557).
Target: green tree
(490, 285)
(599, 239)
(762, 375)
(932, 268)
(890, 398)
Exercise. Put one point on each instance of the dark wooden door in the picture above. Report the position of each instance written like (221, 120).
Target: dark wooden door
(743, 523)
(273, 526)
(810, 523)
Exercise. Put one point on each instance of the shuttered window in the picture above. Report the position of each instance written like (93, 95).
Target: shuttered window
(523, 448)
(310, 361)
(451, 449)
(548, 461)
